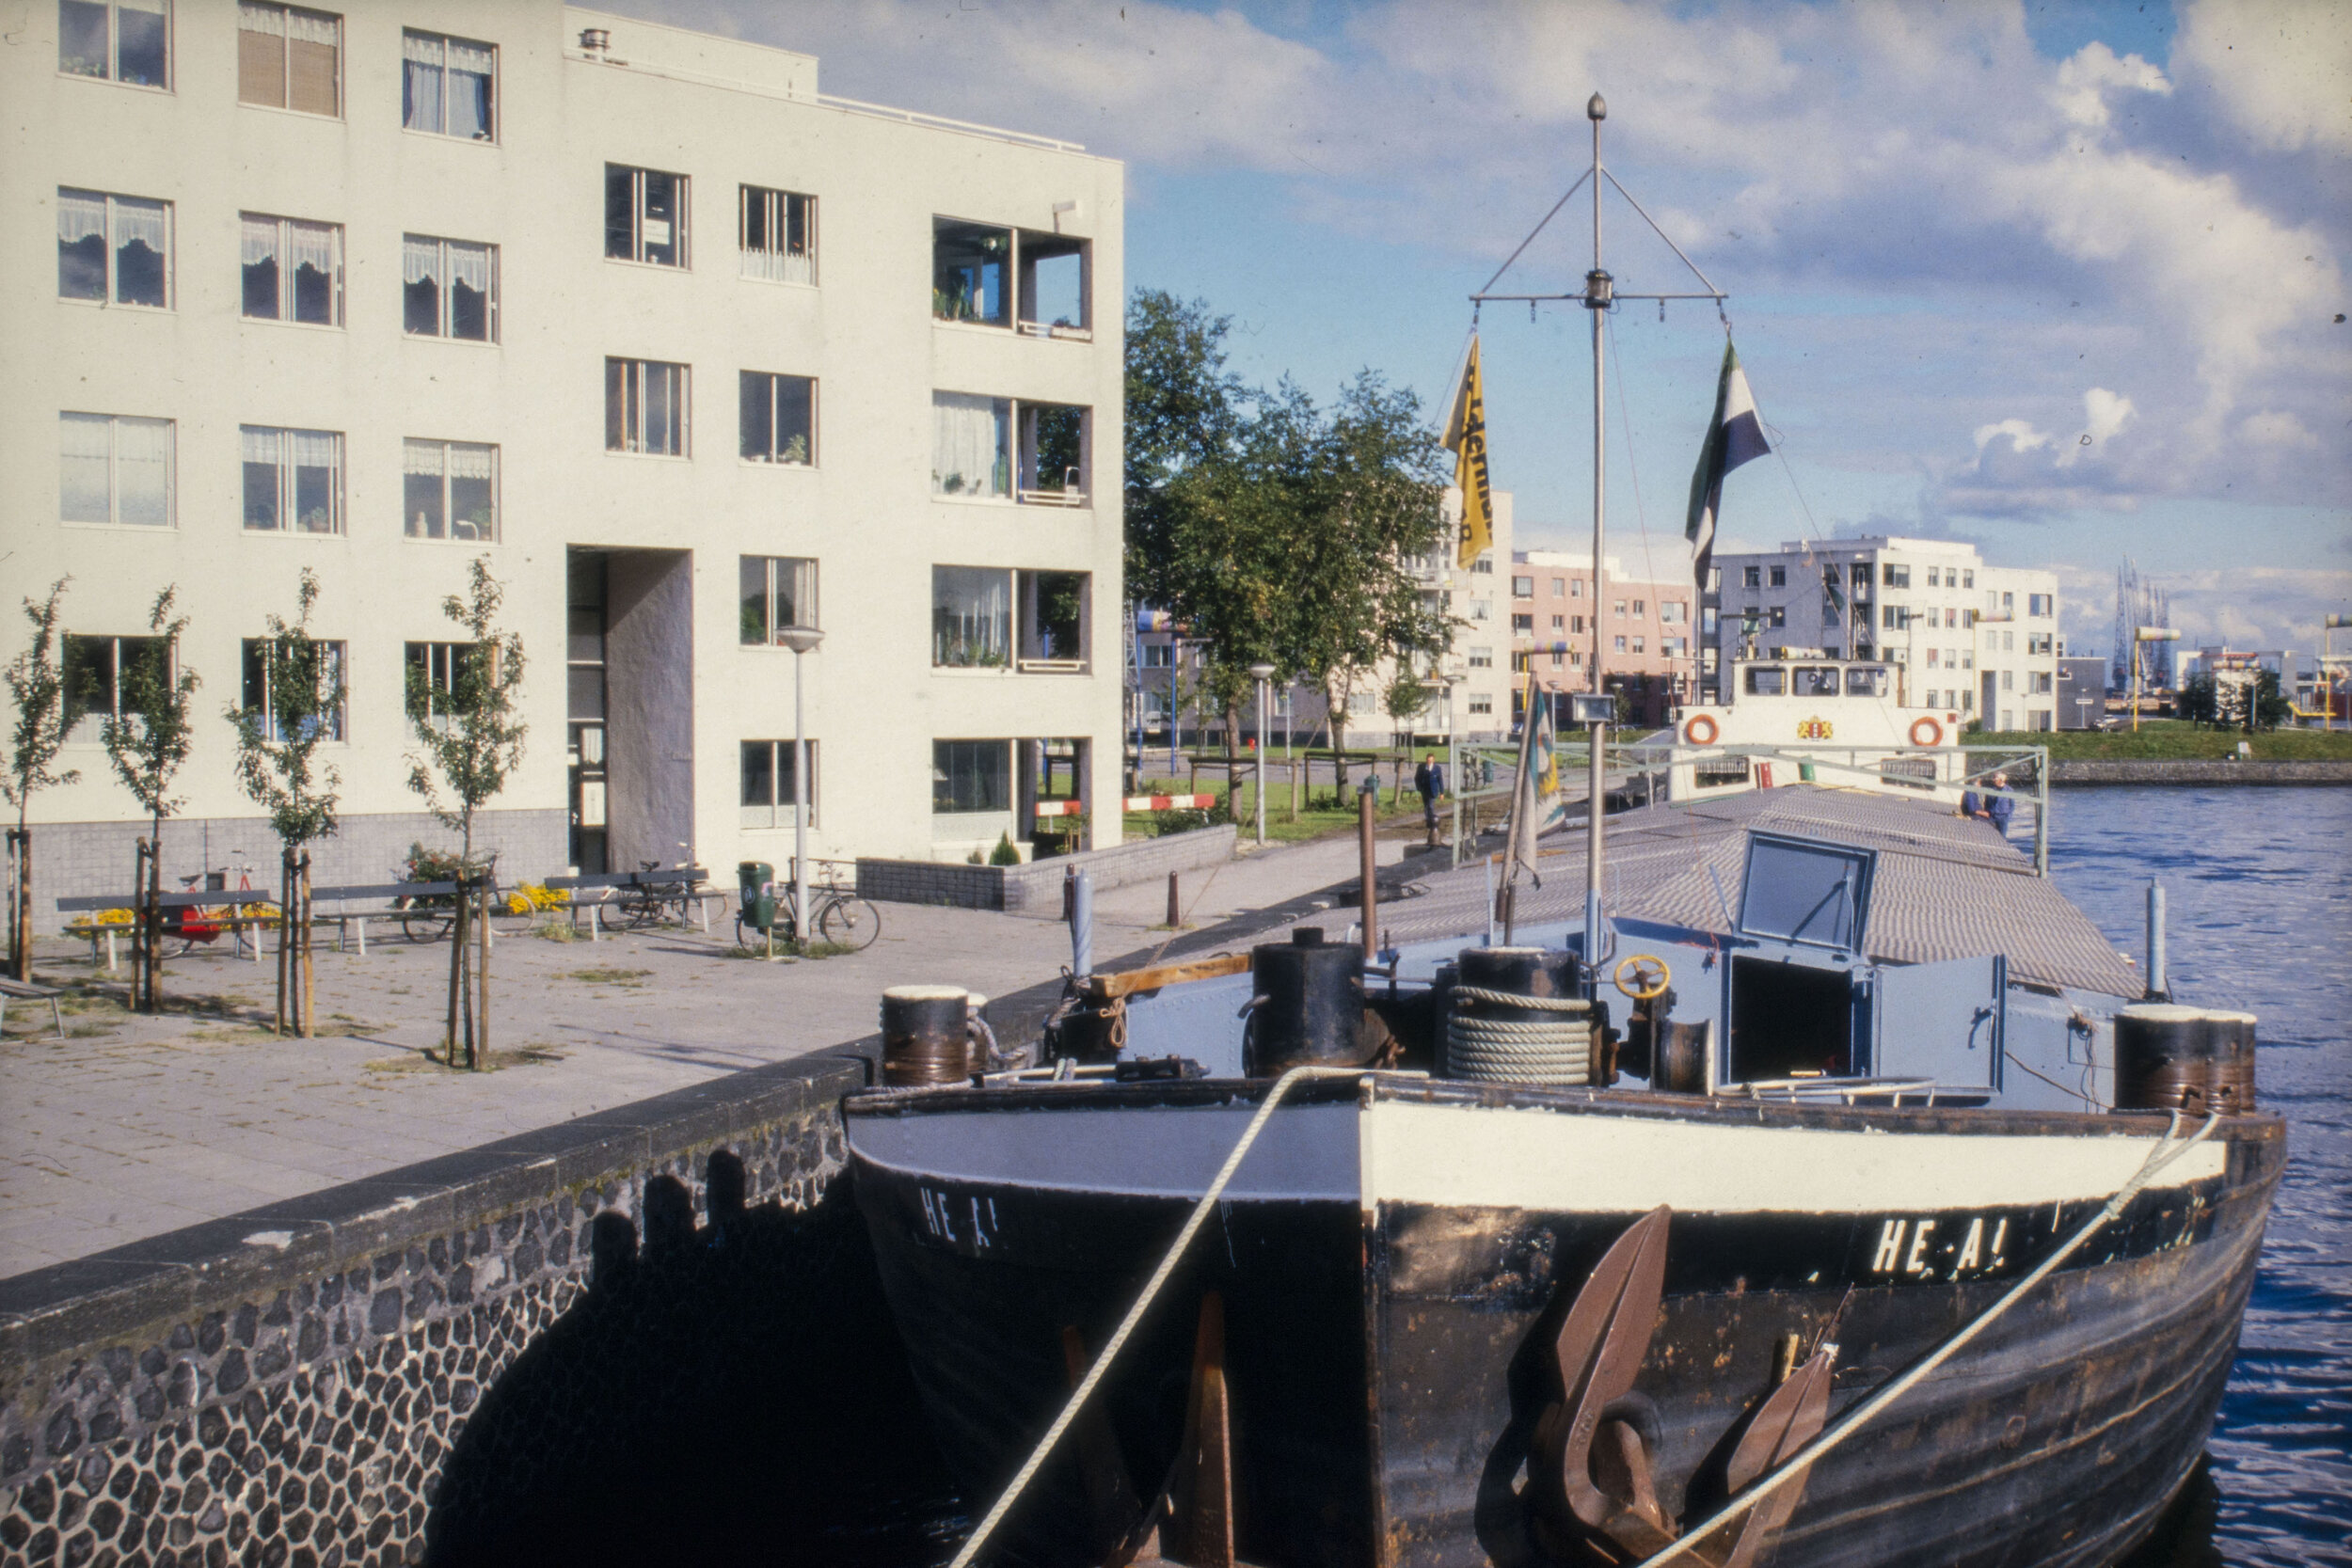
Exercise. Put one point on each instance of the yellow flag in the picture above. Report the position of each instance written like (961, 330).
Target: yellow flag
(1465, 438)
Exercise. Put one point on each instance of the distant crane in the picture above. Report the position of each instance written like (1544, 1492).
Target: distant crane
(2140, 605)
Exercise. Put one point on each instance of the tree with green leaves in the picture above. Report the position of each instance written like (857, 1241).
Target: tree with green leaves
(148, 738)
(301, 707)
(37, 685)
(465, 719)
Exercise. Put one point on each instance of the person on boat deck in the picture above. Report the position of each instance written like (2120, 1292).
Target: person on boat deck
(1429, 779)
(1998, 809)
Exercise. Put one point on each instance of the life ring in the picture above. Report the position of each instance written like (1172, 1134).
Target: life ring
(1700, 731)
(1934, 736)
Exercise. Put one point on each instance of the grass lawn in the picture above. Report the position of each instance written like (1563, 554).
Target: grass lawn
(2168, 739)
(1321, 818)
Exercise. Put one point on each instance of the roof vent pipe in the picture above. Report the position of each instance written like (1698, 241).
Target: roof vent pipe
(596, 42)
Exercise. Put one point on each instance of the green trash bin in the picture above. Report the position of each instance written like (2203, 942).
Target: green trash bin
(755, 882)
(1804, 771)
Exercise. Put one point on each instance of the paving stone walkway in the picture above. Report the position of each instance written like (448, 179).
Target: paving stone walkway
(137, 1125)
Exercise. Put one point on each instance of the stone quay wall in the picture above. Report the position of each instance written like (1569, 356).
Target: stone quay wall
(1034, 889)
(2200, 773)
(288, 1386)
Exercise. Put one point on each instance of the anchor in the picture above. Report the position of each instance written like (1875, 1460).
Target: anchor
(1592, 1479)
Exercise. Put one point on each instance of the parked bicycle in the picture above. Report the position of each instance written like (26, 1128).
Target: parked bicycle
(840, 916)
(657, 902)
(195, 926)
(427, 917)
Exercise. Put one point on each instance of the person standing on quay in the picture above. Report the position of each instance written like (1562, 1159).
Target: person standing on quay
(1429, 779)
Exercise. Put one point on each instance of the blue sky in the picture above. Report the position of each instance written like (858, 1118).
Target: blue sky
(2064, 280)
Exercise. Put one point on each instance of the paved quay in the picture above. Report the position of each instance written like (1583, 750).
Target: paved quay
(137, 1125)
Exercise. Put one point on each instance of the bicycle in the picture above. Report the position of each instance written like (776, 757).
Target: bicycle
(428, 917)
(655, 903)
(195, 926)
(841, 918)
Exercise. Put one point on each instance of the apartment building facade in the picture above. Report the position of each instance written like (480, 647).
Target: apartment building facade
(1964, 637)
(696, 357)
(1646, 631)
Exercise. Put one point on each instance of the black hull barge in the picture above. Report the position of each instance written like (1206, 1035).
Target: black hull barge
(1394, 1259)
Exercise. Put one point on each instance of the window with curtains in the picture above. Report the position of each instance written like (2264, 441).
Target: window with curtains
(294, 480)
(113, 470)
(449, 490)
(114, 248)
(644, 407)
(779, 417)
(449, 289)
(91, 669)
(778, 592)
(294, 270)
(971, 445)
(289, 58)
(268, 663)
(971, 775)
(644, 215)
(776, 234)
(117, 40)
(449, 87)
(771, 788)
(971, 617)
(432, 671)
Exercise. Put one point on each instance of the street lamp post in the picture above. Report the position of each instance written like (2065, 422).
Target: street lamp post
(800, 639)
(1262, 671)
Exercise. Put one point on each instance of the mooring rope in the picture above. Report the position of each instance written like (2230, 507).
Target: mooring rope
(1503, 1051)
(1134, 1314)
(1852, 1421)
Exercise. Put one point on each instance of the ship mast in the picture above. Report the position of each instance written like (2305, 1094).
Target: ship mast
(1598, 295)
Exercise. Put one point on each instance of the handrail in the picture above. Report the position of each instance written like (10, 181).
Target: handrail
(1134, 1314)
(1888, 1393)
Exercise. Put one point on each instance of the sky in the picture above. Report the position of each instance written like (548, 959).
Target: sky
(2065, 280)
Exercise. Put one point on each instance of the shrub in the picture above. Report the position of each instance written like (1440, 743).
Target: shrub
(1004, 854)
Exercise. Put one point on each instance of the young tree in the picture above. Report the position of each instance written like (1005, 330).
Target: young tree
(301, 706)
(36, 684)
(148, 738)
(464, 720)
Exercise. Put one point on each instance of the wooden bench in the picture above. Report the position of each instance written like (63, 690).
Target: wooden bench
(18, 991)
(383, 896)
(605, 887)
(227, 898)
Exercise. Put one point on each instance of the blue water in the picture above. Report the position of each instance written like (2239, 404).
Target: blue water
(2260, 887)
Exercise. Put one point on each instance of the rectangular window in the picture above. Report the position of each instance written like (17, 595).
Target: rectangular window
(449, 87)
(1559, 658)
(971, 776)
(1523, 624)
(971, 445)
(1776, 616)
(1559, 588)
(1829, 612)
(1483, 565)
(644, 215)
(971, 617)
(1522, 587)
(91, 669)
(778, 418)
(1620, 644)
(2009, 604)
(1935, 580)
(1752, 576)
(2038, 643)
(294, 480)
(2009, 641)
(294, 270)
(2009, 682)
(449, 289)
(1780, 576)
(1576, 588)
(771, 785)
(1897, 618)
(1158, 656)
(1932, 657)
(449, 490)
(1054, 609)
(1053, 455)
(113, 470)
(1674, 647)
(776, 235)
(1861, 572)
(269, 663)
(1576, 623)
(1559, 622)
(1481, 658)
(114, 248)
(2041, 680)
(1896, 576)
(1638, 604)
(1616, 608)
(117, 40)
(777, 593)
(431, 672)
(1637, 645)
(1481, 702)
(2038, 604)
(289, 58)
(1673, 612)
(646, 408)
(1968, 579)
(988, 275)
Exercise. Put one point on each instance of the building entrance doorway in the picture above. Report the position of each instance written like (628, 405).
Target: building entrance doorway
(630, 706)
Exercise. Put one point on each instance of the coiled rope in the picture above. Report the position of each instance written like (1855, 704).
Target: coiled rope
(2163, 1154)
(1501, 1051)
(1134, 1314)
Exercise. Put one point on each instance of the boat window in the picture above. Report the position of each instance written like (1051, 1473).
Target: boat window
(1802, 891)
(1866, 683)
(1813, 681)
(1768, 680)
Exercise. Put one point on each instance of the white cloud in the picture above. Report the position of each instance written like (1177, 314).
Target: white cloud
(2084, 81)
(2277, 67)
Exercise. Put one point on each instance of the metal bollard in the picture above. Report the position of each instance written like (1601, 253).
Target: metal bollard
(1082, 924)
(1175, 904)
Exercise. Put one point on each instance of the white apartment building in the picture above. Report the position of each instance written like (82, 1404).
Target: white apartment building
(1972, 640)
(694, 354)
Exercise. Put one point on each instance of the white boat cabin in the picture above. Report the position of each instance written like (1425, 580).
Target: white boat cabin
(1802, 715)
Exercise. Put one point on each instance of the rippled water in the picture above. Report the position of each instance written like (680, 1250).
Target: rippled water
(2260, 886)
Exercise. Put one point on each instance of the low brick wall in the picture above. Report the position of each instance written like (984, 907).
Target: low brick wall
(1034, 889)
(294, 1385)
(2201, 773)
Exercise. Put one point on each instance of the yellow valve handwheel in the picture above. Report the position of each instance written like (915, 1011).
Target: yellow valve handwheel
(1650, 978)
